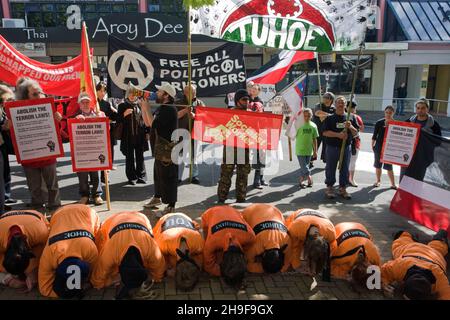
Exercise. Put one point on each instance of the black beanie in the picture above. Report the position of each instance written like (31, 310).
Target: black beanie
(132, 272)
(241, 93)
(418, 282)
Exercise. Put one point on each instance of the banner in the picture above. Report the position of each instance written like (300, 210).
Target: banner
(236, 128)
(59, 79)
(305, 25)
(68, 108)
(400, 141)
(87, 76)
(214, 72)
(34, 130)
(90, 145)
(424, 191)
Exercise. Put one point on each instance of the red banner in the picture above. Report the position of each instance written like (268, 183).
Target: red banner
(68, 108)
(237, 128)
(59, 79)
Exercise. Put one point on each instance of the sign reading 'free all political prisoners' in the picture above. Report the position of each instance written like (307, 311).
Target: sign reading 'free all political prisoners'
(400, 142)
(214, 72)
(34, 130)
(90, 144)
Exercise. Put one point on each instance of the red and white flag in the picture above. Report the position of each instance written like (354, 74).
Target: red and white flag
(293, 96)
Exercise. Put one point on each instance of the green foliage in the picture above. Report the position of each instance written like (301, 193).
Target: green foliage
(195, 4)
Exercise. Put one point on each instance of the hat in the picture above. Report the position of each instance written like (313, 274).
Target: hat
(418, 283)
(132, 272)
(62, 274)
(83, 96)
(329, 95)
(168, 88)
(241, 93)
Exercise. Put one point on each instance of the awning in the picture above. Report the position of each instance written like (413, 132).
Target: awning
(423, 20)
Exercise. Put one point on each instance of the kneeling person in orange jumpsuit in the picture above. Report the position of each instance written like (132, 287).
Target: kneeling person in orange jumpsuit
(227, 236)
(23, 235)
(419, 270)
(312, 235)
(266, 254)
(127, 249)
(182, 244)
(70, 252)
(353, 252)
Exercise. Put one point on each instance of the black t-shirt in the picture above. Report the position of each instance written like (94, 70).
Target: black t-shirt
(435, 129)
(320, 106)
(336, 123)
(165, 121)
(378, 134)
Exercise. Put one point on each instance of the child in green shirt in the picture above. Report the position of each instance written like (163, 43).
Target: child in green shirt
(306, 146)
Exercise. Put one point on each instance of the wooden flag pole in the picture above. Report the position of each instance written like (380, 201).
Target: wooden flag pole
(190, 93)
(318, 78)
(290, 148)
(108, 198)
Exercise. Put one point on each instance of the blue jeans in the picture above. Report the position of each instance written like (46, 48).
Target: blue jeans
(332, 158)
(400, 107)
(304, 166)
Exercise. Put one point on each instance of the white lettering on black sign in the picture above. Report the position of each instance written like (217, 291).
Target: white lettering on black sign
(72, 234)
(353, 233)
(177, 221)
(129, 226)
(19, 213)
(310, 213)
(228, 225)
(269, 225)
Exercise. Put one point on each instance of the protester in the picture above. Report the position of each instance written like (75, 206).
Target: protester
(43, 170)
(321, 112)
(257, 105)
(352, 253)
(165, 172)
(111, 113)
(401, 95)
(266, 254)
(133, 142)
(227, 236)
(235, 157)
(337, 129)
(356, 144)
(6, 148)
(313, 234)
(185, 116)
(417, 271)
(23, 237)
(127, 252)
(306, 147)
(73, 229)
(426, 120)
(181, 243)
(377, 146)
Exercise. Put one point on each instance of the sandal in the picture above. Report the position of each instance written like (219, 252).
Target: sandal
(302, 186)
(394, 187)
(376, 184)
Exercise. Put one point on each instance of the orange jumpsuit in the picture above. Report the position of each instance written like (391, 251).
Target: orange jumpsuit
(116, 235)
(351, 238)
(407, 253)
(268, 225)
(298, 224)
(222, 226)
(168, 232)
(33, 224)
(73, 229)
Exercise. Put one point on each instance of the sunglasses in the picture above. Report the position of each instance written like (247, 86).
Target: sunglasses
(245, 99)
(37, 94)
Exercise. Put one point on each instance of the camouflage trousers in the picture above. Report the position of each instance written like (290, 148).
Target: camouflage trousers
(226, 173)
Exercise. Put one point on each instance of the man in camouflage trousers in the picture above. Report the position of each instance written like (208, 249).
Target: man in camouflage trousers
(235, 157)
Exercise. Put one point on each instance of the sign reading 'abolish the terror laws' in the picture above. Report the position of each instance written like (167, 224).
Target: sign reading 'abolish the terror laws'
(214, 72)
(237, 128)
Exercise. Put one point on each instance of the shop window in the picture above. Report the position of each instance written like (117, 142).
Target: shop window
(90, 8)
(48, 19)
(61, 19)
(47, 7)
(32, 7)
(18, 7)
(18, 15)
(90, 15)
(61, 7)
(168, 6)
(34, 19)
(131, 7)
(104, 8)
(117, 8)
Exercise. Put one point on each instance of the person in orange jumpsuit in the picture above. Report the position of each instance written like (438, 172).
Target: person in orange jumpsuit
(352, 253)
(419, 270)
(70, 252)
(312, 235)
(127, 253)
(227, 236)
(23, 235)
(266, 254)
(182, 244)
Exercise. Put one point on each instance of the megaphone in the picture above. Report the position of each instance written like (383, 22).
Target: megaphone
(140, 93)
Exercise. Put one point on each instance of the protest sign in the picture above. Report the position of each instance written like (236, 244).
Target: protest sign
(34, 130)
(90, 144)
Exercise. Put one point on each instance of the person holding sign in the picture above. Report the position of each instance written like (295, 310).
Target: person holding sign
(377, 145)
(426, 120)
(83, 177)
(41, 175)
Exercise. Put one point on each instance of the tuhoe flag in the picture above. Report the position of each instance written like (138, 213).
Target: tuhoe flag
(237, 128)
(300, 25)
(87, 75)
(424, 191)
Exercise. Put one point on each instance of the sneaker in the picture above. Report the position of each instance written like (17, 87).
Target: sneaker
(329, 192)
(344, 194)
(131, 183)
(154, 202)
(10, 201)
(263, 183)
(141, 181)
(84, 200)
(257, 186)
(195, 180)
(220, 201)
(166, 210)
(98, 201)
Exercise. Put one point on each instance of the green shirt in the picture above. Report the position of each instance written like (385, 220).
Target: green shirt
(304, 145)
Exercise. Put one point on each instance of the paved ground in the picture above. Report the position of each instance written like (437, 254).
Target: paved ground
(369, 206)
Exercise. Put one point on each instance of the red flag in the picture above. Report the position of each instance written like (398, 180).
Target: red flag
(68, 108)
(56, 79)
(87, 76)
(237, 128)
